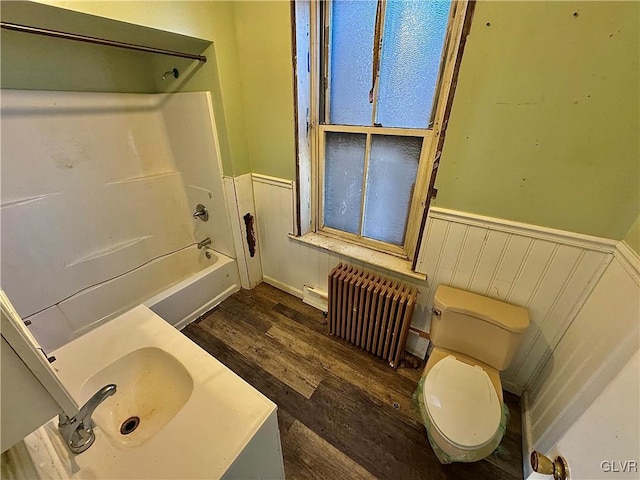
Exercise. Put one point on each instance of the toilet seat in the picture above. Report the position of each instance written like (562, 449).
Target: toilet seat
(462, 403)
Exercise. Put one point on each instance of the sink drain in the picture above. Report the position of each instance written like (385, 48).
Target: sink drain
(129, 425)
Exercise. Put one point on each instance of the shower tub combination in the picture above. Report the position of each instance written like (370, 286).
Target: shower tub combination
(110, 216)
(179, 287)
(104, 207)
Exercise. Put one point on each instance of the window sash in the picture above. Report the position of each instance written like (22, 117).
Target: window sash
(324, 116)
(459, 21)
(426, 135)
(326, 14)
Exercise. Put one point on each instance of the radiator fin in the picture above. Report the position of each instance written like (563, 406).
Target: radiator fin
(370, 311)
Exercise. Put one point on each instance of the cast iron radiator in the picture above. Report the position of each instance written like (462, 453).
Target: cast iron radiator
(370, 311)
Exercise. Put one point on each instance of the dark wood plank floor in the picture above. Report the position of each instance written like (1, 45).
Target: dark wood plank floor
(343, 413)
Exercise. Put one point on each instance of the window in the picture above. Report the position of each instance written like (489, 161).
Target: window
(378, 77)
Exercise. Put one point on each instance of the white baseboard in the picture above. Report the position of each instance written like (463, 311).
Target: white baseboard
(315, 297)
(283, 286)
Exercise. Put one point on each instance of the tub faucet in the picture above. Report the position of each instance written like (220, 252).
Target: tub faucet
(201, 213)
(77, 431)
(204, 243)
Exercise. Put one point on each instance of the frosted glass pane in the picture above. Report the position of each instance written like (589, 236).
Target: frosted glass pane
(411, 48)
(392, 173)
(344, 169)
(352, 28)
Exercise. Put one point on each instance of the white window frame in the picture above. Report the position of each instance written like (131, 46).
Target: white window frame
(311, 173)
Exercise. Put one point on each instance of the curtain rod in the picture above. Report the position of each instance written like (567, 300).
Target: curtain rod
(97, 41)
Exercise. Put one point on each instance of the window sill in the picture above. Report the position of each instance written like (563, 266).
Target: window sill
(358, 252)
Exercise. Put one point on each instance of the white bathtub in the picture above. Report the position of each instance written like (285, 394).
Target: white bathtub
(179, 287)
(185, 301)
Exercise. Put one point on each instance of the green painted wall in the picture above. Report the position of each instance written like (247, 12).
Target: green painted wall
(249, 72)
(544, 127)
(545, 123)
(35, 62)
(633, 236)
(264, 42)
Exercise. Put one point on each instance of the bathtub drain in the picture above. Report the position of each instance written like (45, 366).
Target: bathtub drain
(129, 425)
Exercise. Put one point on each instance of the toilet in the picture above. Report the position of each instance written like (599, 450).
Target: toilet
(460, 393)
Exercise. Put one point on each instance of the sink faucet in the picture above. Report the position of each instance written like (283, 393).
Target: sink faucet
(204, 243)
(77, 431)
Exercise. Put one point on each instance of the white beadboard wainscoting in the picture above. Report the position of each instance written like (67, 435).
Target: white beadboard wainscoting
(274, 218)
(601, 340)
(550, 272)
(289, 264)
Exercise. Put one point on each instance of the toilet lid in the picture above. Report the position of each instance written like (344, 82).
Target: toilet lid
(462, 403)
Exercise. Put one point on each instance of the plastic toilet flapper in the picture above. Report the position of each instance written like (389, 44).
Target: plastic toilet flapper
(471, 456)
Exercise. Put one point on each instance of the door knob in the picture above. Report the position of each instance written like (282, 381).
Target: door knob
(542, 464)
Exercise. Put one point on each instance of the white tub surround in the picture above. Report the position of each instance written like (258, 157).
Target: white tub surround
(192, 134)
(226, 428)
(98, 192)
(180, 287)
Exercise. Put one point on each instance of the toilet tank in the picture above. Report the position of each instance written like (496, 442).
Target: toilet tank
(483, 328)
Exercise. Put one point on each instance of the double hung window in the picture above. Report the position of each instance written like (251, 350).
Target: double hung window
(378, 88)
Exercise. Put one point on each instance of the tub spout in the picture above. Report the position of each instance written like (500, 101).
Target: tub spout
(77, 431)
(204, 243)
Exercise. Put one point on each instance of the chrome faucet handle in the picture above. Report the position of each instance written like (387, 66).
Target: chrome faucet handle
(77, 431)
(201, 213)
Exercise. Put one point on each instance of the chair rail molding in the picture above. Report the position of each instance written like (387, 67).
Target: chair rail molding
(550, 272)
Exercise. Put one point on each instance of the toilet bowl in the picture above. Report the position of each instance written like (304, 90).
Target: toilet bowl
(460, 393)
(463, 403)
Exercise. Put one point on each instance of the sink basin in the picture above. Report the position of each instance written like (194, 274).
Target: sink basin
(152, 388)
(197, 419)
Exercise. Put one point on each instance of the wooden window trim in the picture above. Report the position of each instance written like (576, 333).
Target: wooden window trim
(457, 29)
(455, 41)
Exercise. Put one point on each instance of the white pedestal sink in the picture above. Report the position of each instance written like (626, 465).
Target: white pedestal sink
(196, 418)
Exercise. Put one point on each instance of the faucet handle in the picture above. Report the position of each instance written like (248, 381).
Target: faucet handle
(77, 431)
(201, 213)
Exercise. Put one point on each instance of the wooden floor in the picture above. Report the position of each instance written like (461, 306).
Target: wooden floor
(343, 413)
